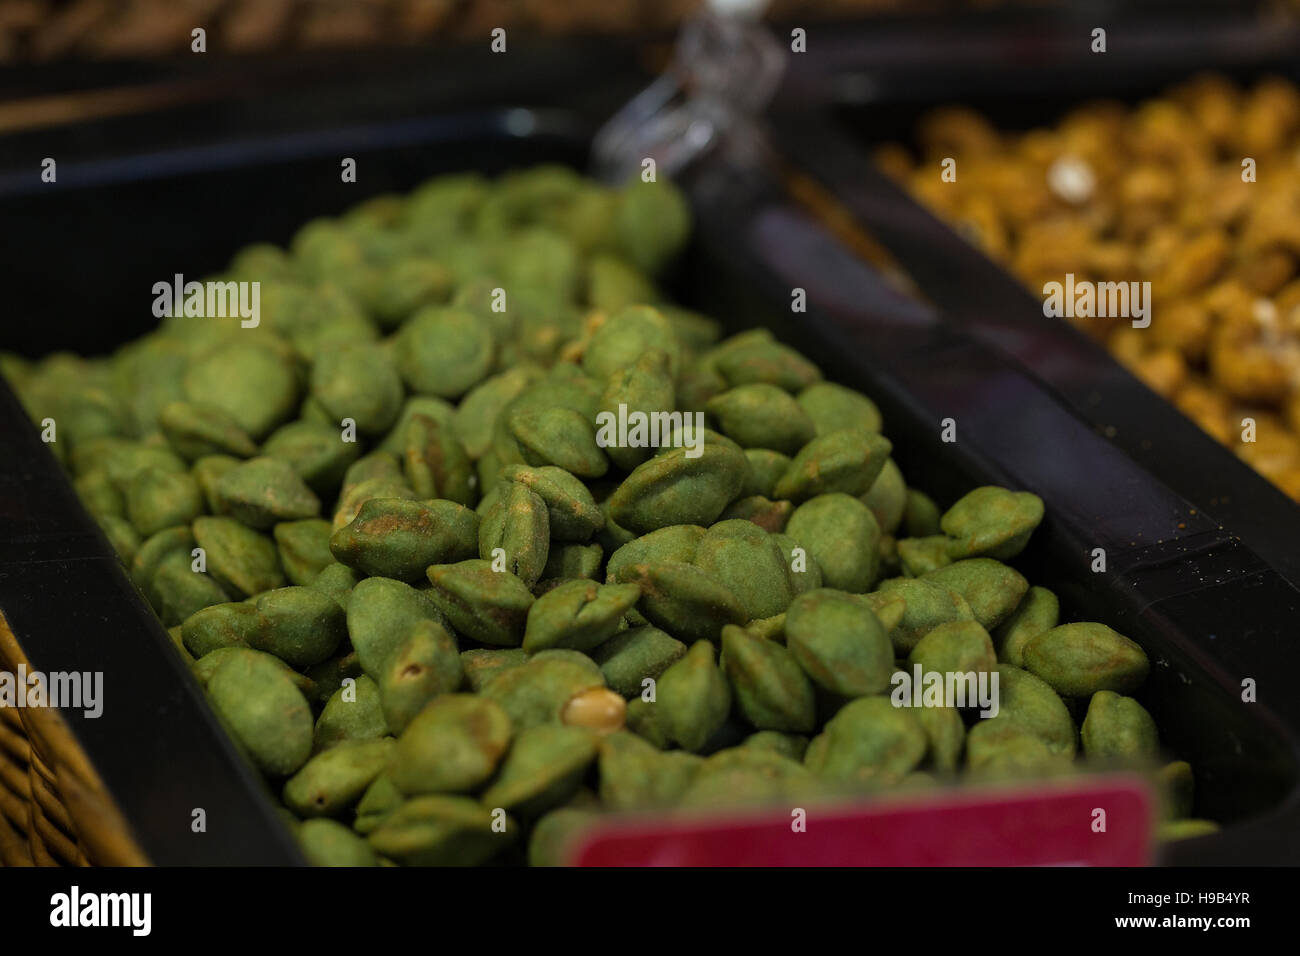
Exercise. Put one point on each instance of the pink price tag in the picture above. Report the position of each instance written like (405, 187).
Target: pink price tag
(1098, 821)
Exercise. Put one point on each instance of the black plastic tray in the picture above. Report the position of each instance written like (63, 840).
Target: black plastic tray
(158, 746)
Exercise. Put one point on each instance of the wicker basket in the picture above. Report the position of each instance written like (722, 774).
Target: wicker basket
(54, 811)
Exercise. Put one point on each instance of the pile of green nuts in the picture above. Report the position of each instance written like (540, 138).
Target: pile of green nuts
(452, 622)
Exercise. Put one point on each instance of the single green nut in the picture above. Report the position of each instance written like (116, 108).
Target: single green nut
(352, 712)
(748, 360)
(555, 835)
(771, 516)
(326, 842)
(453, 745)
(683, 486)
(578, 614)
(612, 284)
(198, 430)
(920, 515)
(769, 628)
(256, 698)
(919, 556)
(262, 491)
(544, 768)
(643, 719)
(793, 746)
(635, 775)
(926, 606)
(443, 351)
(334, 780)
(1002, 747)
(336, 582)
(486, 605)
(440, 830)
(303, 627)
(380, 615)
(805, 573)
(242, 560)
(482, 664)
(841, 534)
(958, 647)
(557, 436)
(303, 548)
(1118, 727)
(515, 534)
(157, 499)
(631, 657)
(945, 733)
(416, 406)
(771, 690)
(747, 776)
(536, 693)
(207, 471)
(676, 543)
(330, 676)
(406, 285)
(652, 222)
(567, 561)
(380, 799)
(316, 451)
(1078, 660)
(1031, 703)
(424, 664)
(1039, 610)
(992, 589)
(693, 698)
(887, 497)
(151, 553)
(848, 462)
(180, 591)
(354, 496)
(765, 469)
(99, 494)
(204, 667)
(867, 737)
(835, 408)
(640, 394)
(839, 643)
(255, 385)
(888, 606)
(992, 522)
(684, 600)
(222, 625)
(397, 538)
(572, 511)
(124, 461)
(749, 563)
(762, 416)
(477, 412)
(626, 336)
(435, 463)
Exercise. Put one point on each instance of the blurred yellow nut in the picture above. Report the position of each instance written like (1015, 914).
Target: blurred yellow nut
(1248, 373)
(1197, 262)
(598, 709)
(1208, 409)
(1183, 325)
(1163, 371)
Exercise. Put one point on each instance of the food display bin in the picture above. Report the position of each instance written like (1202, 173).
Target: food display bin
(1208, 594)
